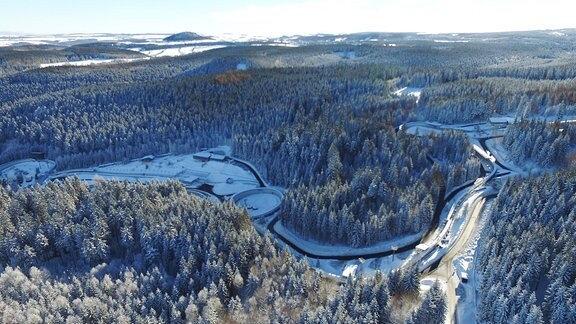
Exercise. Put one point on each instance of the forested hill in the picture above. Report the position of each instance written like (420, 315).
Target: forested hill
(185, 36)
(17, 59)
(135, 253)
(68, 113)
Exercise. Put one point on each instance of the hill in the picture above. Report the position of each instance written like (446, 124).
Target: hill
(185, 36)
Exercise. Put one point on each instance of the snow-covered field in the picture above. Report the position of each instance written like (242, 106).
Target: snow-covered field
(209, 174)
(450, 41)
(359, 267)
(93, 62)
(410, 91)
(225, 177)
(69, 39)
(25, 172)
(134, 42)
(179, 51)
(422, 131)
(10, 39)
(152, 45)
(501, 154)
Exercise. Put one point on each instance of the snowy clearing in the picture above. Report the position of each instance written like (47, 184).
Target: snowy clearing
(409, 91)
(422, 131)
(93, 62)
(193, 170)
(25, 172)
(179, 51)
(68, 39)
(450, 41)
(501, 154)
(362, 267)
(211, 174)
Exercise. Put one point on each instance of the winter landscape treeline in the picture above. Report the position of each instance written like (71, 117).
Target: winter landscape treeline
(316, 122)
(105, 122)
(478, 98)
(17, 59)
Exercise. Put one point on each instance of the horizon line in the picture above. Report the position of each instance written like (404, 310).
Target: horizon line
(22, 33)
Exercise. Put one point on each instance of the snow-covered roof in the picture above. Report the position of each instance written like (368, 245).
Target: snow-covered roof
(205, 155)
(422, 247)
(350, 270)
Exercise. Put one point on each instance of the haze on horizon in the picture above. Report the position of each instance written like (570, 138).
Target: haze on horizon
(281, 17)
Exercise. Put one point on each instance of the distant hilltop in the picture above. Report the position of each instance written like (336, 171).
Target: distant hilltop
(185, 36)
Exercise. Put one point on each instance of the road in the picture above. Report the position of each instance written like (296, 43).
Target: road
(445, 272)
(467, 231)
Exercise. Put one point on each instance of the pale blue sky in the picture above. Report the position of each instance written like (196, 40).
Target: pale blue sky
(280, 17)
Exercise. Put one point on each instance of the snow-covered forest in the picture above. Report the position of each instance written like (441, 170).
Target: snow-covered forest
(546, 144)
(329, 130)
(527, 260)
(121, 252)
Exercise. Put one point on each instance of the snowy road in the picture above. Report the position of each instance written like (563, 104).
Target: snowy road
(445, 270)
(466, 233)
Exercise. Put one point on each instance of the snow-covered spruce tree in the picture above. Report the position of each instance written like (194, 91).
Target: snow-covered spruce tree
(433, 308)
(528, 249)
